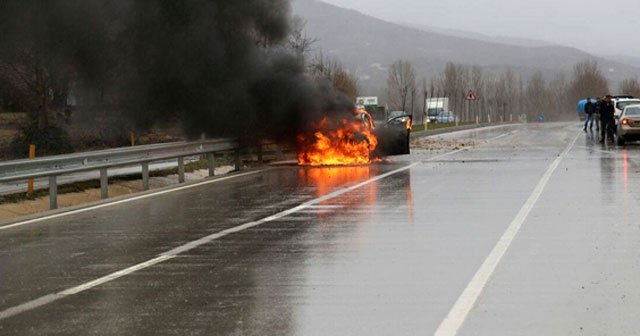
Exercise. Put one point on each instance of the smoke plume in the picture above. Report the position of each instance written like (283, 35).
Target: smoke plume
(219, 67)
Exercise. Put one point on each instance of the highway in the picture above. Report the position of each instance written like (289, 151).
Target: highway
(532, 231)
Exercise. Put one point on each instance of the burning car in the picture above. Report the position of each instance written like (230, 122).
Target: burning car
(353, 140)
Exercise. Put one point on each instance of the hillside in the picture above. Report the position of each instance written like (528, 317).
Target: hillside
(523, 42)
(368, 45)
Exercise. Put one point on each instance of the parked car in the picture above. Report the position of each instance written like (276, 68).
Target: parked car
(446, 117)
(396, 114)
(628, 128)
(621, 103)
(435, 106)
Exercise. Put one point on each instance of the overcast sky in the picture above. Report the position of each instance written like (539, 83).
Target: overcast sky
(602, 27)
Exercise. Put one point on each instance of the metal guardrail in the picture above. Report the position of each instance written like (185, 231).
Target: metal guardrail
(54, 166)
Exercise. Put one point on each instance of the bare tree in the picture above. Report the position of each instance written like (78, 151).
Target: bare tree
(425, 94)
(559, 102)
(453, 84)
(298, 40)
(501, 94)
(588, 81)
(401, 85)
(536, 95)
(630, 86)
(490, 101)
(33, 83)
(326, 68)
(512, 92)
(477, 84)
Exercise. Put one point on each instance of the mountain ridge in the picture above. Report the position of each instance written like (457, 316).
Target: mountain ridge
(366, 45)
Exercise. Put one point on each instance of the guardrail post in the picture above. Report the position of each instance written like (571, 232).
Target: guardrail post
(32, 156)
(53, 192)
(145, 176)
(237, 162)
(104, 183)
(181, 169)
(211, 163)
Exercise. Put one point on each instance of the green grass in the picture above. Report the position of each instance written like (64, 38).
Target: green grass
(418, 128)
(10, 126)
(12, 117)
(7, 135)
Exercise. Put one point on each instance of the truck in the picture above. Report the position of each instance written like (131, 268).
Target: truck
(434, 108)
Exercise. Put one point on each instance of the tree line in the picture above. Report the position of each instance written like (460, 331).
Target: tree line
(501, 95)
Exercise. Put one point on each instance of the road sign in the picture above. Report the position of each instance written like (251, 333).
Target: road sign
(471, 95)
(367, 101)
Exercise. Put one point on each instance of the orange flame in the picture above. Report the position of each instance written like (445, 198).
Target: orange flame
(343, 142)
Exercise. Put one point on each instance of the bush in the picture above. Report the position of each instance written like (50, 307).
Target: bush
(51, 141)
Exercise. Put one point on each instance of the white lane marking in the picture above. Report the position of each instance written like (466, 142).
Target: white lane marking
(503, 135)
(41, 301)
(461, 309)
(471, 130)
(49, 298)
(499, 137)
(136, 198)
(327, 207)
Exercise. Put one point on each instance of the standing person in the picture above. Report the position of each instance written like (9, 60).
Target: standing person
(607, 121)
(596, 115)
(589, 110)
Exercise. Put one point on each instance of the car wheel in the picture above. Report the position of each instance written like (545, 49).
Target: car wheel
(620, 141)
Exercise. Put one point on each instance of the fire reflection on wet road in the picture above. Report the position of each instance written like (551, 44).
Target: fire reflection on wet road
(375, 250)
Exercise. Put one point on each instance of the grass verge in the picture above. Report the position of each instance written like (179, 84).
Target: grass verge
(419, 128)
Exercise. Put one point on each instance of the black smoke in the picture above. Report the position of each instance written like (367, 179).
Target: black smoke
(219, 67)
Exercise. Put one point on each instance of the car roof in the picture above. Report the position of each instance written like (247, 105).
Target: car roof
(622, 96)
(617, 100)
(632, 106)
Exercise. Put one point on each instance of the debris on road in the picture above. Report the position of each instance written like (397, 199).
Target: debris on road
(440, 144)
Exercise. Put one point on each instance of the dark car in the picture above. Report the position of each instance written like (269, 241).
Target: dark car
(394, 136)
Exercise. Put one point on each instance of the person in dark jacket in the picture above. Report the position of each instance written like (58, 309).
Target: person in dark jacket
(590, 111)
(596, 115)
(607, 120)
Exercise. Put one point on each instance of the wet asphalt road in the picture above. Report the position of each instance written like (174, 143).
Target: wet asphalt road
(380, 250)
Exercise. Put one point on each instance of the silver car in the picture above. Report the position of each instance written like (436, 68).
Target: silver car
(629, 124)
